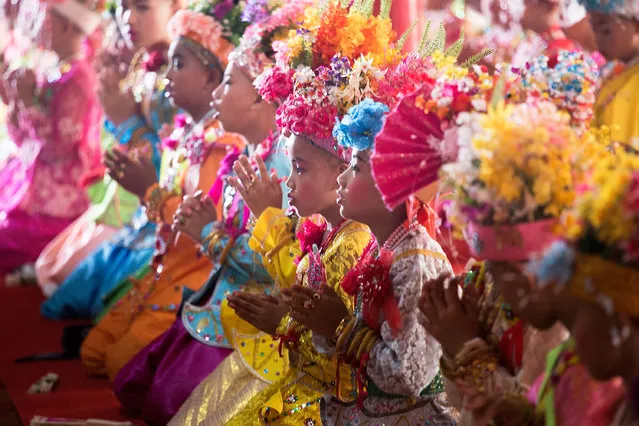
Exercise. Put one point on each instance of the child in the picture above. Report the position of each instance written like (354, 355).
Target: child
(199, 333)
(616, 26)
(191, 160)
(392, 354)
(136, 109)
(55, 123)
(110, 207)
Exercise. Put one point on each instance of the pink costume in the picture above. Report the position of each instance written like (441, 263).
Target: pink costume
(57, 142)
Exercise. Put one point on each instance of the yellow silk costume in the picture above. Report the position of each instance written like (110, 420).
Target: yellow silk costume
(295, 398)
(617, 105)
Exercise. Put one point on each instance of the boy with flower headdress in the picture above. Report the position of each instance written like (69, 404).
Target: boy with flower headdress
(191, 159)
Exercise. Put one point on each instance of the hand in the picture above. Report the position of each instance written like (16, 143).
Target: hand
(322, 312)
(134, 175)
(25, 86)
(195, 212)
(451, 321)
(261, 310)
(258, 192)
(117, 106)
(508, 411)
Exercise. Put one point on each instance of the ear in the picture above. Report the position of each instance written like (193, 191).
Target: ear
(214, 77)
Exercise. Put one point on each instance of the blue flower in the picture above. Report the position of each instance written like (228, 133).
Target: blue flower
(360, 125)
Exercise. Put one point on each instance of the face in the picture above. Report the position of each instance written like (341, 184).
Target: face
(617, 37)
(313, 179)
(592, 331)
(536, 14)
(190, 81)
(55, 31)
(236, 100)
(145, 21)
(358, 196)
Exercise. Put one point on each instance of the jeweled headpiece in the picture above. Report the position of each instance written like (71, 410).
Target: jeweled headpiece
(627, 8)
(270, 21)
(210, 29)
(331, 62)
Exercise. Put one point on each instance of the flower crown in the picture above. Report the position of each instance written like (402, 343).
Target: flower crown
(270, 21)
(358, 128)
(330, 63)
(209, 28)
(627, 8)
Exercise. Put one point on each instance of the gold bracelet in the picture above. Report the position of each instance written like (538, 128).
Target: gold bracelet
(356, 341)
(155, 203)
(365, 343)
(343, 338)
(340, 328)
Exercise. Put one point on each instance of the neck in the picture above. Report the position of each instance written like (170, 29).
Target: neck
(261, 129)
(198, 113)
(386, 223)
(332, 215)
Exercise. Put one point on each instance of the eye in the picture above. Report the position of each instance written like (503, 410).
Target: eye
(177, 63)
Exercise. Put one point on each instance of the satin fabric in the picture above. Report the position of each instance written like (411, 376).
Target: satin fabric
(62, 255)
(82, 294)
(220, 396)
(16, 228)
(150, 385)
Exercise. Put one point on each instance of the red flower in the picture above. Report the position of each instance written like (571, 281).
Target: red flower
(154, 61)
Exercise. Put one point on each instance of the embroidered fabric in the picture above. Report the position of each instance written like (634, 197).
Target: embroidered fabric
(57, 144)
(405, 363)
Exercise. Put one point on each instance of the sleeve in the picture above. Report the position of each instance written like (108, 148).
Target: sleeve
(274, 239)
(62, 122)
(407, 362)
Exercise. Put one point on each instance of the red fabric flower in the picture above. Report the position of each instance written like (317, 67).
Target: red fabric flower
(154, 61)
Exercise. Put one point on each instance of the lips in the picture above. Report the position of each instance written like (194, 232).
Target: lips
(132, 35)
(340, 197)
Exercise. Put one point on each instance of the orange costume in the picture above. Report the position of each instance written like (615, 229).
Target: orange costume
(150, 306)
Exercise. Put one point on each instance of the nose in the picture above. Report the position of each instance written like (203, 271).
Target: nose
(290, 182)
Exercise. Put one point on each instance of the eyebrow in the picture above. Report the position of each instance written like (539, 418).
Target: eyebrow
(299, 160)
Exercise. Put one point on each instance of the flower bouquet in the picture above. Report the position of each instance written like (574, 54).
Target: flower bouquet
(599, 261)
(512, 179)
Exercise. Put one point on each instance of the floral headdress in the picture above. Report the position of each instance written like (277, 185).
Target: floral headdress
(270, 21)
(419, 134)
(209, 28)
(569, 80)
(600, 261)
(627, 8)
(333, 61)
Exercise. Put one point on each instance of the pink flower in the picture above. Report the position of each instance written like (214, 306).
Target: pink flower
(275, 84)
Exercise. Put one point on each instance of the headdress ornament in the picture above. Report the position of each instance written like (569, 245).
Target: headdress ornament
(333, 61)
(209, 28)
(270, 22)
(627, 8)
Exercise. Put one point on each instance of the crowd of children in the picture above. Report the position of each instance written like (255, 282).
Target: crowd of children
(285, 212)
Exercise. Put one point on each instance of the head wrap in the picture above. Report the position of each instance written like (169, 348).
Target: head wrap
(210, 29)
(83, 14)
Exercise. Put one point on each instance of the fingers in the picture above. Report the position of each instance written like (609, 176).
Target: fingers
(451, 293)
(244, 178)
(240, 303)
(261, 167)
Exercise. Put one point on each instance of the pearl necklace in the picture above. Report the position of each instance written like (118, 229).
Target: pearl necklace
(399, 234)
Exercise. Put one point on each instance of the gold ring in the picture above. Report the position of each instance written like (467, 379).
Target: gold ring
(317, 296)
(253, 179)
(309, 305)
(120, 174)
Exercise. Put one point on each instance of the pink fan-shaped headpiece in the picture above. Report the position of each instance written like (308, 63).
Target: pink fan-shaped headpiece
(406, 157)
